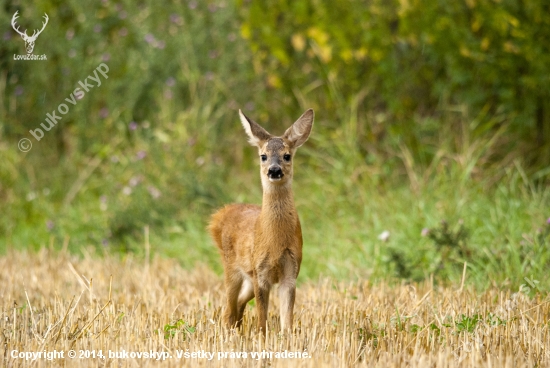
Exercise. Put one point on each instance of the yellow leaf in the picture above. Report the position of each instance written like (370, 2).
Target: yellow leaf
(476, 25)
(361, 53)
(245, 31)
(274, 81)
(485, 43)
(346, 55)
(318, 35)
(510, 47)
(464, 51)
(403, 7)
(325, 53)
(298, 42)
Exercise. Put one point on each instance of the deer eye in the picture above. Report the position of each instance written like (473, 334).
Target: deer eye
(287, 157)
(263, 158)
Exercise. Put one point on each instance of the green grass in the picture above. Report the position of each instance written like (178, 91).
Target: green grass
(501, 226)
(98, 180)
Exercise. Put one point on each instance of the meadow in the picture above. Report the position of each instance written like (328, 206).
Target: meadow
(118, 308)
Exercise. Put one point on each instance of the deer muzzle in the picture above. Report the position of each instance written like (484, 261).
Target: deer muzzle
(275, 173)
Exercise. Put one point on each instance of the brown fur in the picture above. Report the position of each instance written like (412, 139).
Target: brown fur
(262, 246)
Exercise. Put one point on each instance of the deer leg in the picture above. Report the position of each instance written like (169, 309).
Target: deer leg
(261, 292)
(233, 282)
(246, 294)
(287, 290)
(287, 295)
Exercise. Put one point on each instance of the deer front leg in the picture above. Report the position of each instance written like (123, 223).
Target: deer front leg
(261, 293)
(287, 295)
(290, 266)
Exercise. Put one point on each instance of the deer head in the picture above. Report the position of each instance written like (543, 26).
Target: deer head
(276, 152)
(29, 40)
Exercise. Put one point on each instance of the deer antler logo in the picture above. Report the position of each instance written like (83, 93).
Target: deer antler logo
(29, 40)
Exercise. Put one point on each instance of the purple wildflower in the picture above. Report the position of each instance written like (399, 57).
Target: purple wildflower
(133, 125)
(149, 38)
(170, 82)
(175, 18)
(104, 112)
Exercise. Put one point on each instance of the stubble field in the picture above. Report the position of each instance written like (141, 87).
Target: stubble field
(133, 311)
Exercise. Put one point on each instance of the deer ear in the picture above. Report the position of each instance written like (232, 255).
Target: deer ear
(256, 134)
(299, 132)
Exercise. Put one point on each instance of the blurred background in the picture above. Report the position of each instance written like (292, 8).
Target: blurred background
(430, 149)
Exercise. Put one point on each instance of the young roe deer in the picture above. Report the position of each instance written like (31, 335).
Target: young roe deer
(262, 246)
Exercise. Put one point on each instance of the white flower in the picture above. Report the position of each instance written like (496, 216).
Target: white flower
(384, 236)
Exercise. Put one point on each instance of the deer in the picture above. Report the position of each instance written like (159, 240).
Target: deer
(261, 246)
(29, 40)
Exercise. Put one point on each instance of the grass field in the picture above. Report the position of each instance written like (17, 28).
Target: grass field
(52, 300)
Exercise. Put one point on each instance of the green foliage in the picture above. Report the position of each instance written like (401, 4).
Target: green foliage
(495, 320)
(445, 237)
(410, 128)
(170, 329)
(487, 60)
(449, 245)
(466, 323)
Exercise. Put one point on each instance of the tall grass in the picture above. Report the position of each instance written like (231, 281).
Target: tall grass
(159, 145)
(174, 175)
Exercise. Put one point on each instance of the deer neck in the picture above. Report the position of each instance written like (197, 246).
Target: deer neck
(278, 205)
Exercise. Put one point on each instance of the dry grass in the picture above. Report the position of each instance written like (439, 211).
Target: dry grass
(54, 301)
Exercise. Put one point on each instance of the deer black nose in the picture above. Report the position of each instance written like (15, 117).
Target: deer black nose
(275, 172)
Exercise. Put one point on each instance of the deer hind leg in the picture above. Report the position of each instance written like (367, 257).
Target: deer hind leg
(245, 295)
(233, 282)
